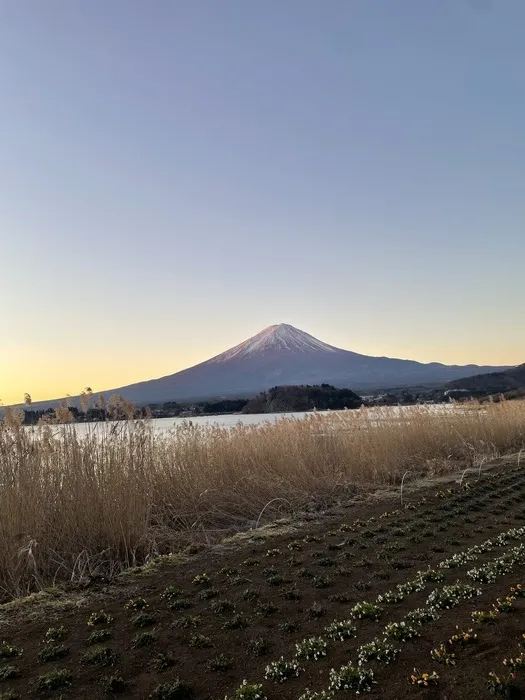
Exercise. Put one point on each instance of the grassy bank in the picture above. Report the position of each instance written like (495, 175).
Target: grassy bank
(73, 506)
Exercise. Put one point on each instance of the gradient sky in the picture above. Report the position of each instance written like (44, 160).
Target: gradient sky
(177, 174)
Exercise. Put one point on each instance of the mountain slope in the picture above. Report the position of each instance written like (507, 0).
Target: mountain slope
(280, 355)
(493, 382)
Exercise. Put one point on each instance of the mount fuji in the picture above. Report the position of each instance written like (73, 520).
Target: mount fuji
(281, 355)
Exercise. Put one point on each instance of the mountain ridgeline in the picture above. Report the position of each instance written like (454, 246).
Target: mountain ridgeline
(493, 382)
(303, 398)
(284, 355)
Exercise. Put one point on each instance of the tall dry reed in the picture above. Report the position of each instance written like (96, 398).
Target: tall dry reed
(74, 504)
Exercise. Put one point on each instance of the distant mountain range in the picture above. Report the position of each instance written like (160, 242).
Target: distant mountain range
(492, 382)
(284, 355)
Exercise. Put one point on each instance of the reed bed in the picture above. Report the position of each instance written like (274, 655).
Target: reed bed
(77, 504)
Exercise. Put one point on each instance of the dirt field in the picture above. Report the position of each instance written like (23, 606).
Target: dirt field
(225, 613)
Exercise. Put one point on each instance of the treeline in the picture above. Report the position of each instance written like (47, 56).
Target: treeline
(200, 408)
(322, 397)
(169, 409)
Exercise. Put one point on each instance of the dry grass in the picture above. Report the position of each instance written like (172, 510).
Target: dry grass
(74, 505)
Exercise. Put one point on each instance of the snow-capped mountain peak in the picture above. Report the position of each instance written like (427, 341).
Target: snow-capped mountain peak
(281, 337)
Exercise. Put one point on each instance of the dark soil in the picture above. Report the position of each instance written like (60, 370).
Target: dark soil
(272, 588)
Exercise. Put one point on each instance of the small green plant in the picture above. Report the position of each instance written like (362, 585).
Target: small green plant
(484, 617)
(9, 672)
(178, 690)
(424, 679)
(251, 562)
(287, 627)
(326, 562)
(430, 576)
(52, 652)
(280, 671)
(202, 580)
(312, 648)
(267, 609)
(421, 616)
(55, 634)
(515, 664)
(208, 593)
(504, 604)
(238, 622)
(115, 684)
(172, 592)
(179, 604)
(238, 581)
(321, 582)
(503, 686)
(219, 663)
(57, 678)
(199, 641)
(316, 610)
(350, 677)
(250, 595)
(9, 651)
(99, 618)
(258, 646)
(102, 656)
(400, 631)
(463, 638)
(341, 630)
(343, 598)
(390, 597)
(247, 691)
(188, 621)
(291, 594)
(449, 596)
(443, 656)
(275, 580)
(136, 604)
(316, 695)
(143, 639)
(143, 620)
(99, 636)
(162, 661)
(377, 650)
(219, 607)
(273, 552)
(366, 611)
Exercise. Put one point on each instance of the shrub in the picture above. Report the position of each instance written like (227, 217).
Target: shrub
(58, 678)
(172, 691)
(341, 630)
(312, 648)
(219, 663)
(9, 672)
(280, 671)
(52, 652)
(247, 691)
(99, 618)
(55, 634)
(350, 677)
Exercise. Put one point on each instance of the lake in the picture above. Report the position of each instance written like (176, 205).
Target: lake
(376, 415)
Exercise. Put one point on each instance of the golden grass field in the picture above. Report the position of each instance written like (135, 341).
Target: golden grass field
(74, 505)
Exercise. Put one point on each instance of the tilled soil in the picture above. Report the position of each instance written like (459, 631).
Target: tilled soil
(228, 611)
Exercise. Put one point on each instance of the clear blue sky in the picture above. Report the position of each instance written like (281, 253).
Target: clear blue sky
(177, 174)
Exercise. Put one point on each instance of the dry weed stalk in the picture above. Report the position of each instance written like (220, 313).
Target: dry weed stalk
(108, 497)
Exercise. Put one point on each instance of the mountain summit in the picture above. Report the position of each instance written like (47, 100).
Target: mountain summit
(281, 355)
(274, 339)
